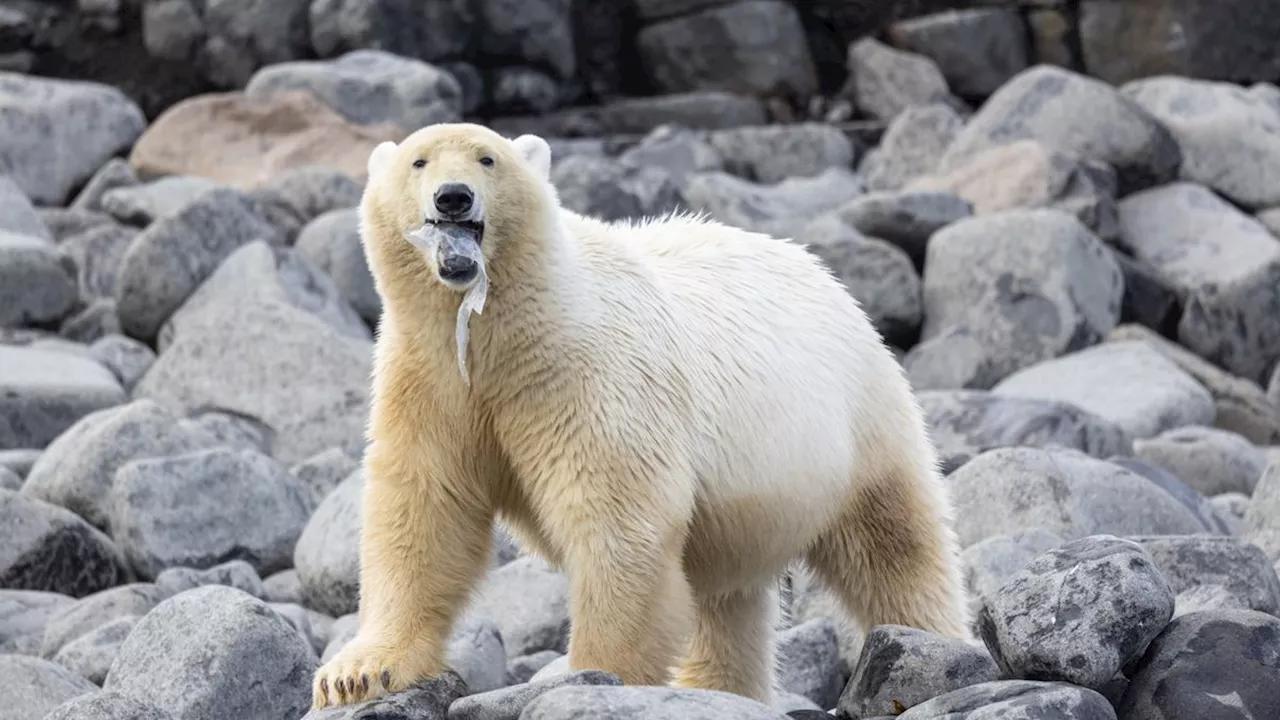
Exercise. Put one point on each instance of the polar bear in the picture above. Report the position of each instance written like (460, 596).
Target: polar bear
(672, 411)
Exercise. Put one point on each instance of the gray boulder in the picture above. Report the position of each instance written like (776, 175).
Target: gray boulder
(1213, 663)
(1237, 568)
(322, 473)
(283, 587)
(93, 611)
(772, 153)
(201, 508)
(269, 338)
(809, 662)
(879, 275)
(1065, 492)
(977, 49)
(1015, 700)
(38, 687)
(756, 47)
(1224, 264)
(77, 470)
(125, 357)
(332, 244)
(679, 151)
(781, 209)
(171, 258)
(884, 81)
(233, 573)
(966, 423)
(431, 32)
(912, 146)
(529, 602)
(611, 190)
(1262, 519)
(114, 173)
(56, 133)
(508, 703)
(52, 549)
(327, 554)
(1209, 460)
(1126, 382)
(17, 215)
(24, 614)
(97, 253)
(906, 219)
(901, 667)
(224, 654)
(521, 669)
(91, 655)
(369, 87)
(145, 203)
(1229, 136)
(651, 703)
(990, 563)
(1241, 405)
(1075, 114)
(37, 281)
(106, 705)
(1078, 613)
(242, 35)
(1007, 291)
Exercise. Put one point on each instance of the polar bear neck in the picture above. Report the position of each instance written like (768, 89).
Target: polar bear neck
(538, 287)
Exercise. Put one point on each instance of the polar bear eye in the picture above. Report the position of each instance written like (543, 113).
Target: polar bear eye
(486, 161)
(419, 163)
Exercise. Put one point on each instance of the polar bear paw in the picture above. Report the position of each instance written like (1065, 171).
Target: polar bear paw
(365, 670)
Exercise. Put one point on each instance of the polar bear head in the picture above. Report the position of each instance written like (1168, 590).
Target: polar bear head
(458, 192)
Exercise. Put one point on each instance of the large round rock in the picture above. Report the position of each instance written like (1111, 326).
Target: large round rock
(77, 470)
(1078, 613)
(44, 547)
(205, 507)
(216, 652)
(327, 555)
(1066, 492)
(37, 686)
(1209, 664)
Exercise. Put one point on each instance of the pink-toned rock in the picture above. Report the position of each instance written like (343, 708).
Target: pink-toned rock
(248, 142)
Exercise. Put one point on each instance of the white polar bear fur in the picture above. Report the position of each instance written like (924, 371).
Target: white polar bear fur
(673, 411)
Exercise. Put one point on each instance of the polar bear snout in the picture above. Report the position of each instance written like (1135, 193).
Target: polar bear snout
(454, 200)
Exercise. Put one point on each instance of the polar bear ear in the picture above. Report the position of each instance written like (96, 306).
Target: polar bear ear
(536, 151)
(380, 159)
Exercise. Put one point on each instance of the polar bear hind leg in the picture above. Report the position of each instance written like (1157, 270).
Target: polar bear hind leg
(891, 557)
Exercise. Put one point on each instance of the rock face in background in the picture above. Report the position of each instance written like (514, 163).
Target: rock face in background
(1064, 216)
(527, 57)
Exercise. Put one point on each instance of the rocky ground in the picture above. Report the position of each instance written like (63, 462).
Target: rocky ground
(1068, 232)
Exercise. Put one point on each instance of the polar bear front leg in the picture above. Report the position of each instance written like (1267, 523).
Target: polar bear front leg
(424, 545)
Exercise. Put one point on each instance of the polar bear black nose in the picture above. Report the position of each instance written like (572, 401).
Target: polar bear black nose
(453, 199)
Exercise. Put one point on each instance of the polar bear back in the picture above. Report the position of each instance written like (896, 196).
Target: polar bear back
(794, 388)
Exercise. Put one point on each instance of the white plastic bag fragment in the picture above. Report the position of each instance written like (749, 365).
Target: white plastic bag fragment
(451, 241)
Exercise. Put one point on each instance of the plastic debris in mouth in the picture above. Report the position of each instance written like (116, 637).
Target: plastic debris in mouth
(445, 239)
